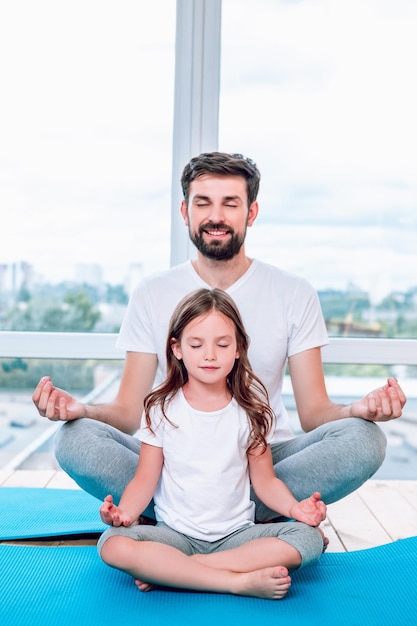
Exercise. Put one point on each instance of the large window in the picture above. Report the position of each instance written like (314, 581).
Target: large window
(86, 118)
(321, 94)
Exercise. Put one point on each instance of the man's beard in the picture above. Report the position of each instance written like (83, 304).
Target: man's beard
(217, 250)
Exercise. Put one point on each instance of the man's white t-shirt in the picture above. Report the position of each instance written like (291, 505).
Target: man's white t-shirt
(204, 490)
(281, 313)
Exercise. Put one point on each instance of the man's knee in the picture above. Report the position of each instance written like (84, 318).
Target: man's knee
(362, 446)
(61, 441)
(71, 439)
(369, 438)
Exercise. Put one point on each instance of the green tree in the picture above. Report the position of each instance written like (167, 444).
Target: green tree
(76, 313)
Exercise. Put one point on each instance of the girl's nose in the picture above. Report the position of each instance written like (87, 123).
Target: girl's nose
(210, 355)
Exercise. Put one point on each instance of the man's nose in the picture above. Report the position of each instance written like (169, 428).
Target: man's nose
(217, 213)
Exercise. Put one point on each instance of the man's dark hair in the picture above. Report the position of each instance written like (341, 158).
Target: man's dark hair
(222, 164)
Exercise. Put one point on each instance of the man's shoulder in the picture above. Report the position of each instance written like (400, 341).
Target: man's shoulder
(172, 278)
(275, 273)
(171, 273)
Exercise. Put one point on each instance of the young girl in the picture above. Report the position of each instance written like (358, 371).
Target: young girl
(205, 439)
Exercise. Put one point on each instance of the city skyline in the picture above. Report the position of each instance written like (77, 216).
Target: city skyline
(371, 268)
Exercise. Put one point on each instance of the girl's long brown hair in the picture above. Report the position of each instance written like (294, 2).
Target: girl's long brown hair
(246, 388)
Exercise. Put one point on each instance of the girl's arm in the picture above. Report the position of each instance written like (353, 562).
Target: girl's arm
(276, 495)
(138, 492)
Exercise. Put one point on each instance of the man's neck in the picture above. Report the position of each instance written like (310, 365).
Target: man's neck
(221, 274)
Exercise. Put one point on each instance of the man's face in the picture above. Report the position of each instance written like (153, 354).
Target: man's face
(218, 215)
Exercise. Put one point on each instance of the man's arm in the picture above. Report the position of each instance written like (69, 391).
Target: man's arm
(315, 407)
(124, 412)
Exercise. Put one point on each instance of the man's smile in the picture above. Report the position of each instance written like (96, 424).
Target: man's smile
(216, 232)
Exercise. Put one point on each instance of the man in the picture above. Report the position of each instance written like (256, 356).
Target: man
(341, 447)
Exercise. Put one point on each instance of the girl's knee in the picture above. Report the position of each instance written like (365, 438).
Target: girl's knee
(310, 544)
(115, 551)
(293, 558)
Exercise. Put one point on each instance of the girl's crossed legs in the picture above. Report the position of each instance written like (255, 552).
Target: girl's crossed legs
(253, 561)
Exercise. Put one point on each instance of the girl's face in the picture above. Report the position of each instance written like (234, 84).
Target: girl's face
(208, 347)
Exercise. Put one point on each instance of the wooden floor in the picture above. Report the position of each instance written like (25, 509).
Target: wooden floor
(378, 513)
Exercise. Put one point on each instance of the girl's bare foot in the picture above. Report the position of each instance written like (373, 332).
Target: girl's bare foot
(271, 583)
(144, 586)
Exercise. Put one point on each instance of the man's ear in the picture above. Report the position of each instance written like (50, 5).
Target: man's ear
(253, 213)
(184, 212)
(175, 347)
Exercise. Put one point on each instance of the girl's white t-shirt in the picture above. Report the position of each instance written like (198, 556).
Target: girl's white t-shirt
(204, 489)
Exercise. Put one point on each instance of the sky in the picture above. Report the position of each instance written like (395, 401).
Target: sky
(319, 92)
(326, 100)
(85, 149)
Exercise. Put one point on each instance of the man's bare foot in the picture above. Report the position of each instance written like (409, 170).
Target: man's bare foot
(144, 521)
(271, 583)
(325, 539)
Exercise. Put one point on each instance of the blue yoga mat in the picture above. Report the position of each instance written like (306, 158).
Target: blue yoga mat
(28, 513)
(44, 586)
